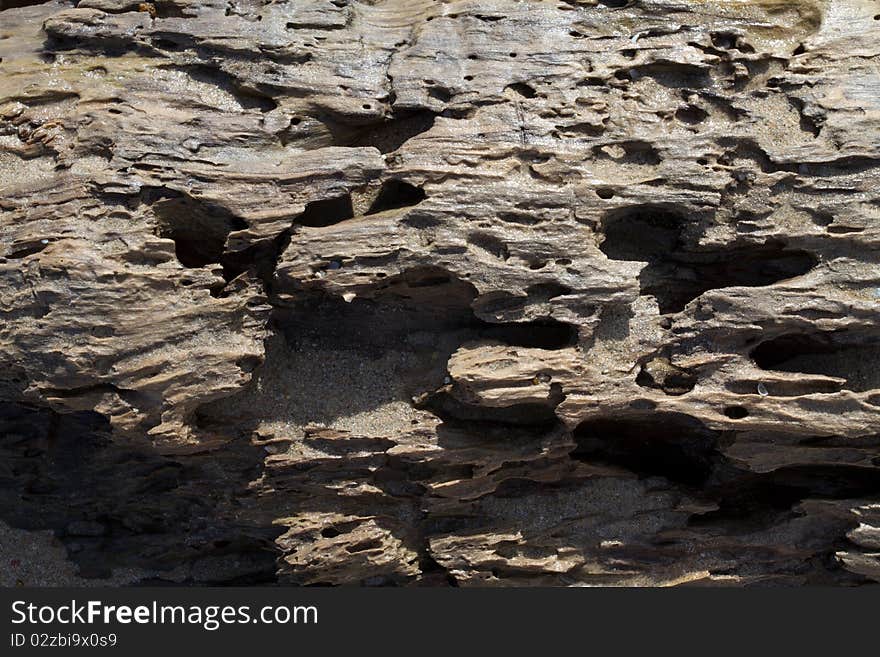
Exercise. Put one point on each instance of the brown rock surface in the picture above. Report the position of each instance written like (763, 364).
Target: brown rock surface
(476, 292)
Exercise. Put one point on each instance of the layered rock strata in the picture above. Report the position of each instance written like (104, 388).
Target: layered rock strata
(468, 293)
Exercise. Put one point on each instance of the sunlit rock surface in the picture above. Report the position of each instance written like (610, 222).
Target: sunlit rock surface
(465, 293)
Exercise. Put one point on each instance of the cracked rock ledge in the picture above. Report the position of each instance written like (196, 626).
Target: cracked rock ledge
(443, 293)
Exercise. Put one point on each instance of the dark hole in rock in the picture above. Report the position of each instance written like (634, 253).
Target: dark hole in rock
(730, 41)
(260, 258)
(431, 289)
(843, 230)
(828, 354)
(387, 136)
(168, 9)
(736, 412)
(724, 40)
(199, 229)
(16, 4)
(673, 75)
(679, 283)
(691, 115)
(163, 43)
(434, 572)
(442, 94)
(749, 505)
(329, 360)
(821, 218)
(396, 194)
(579, 129)
(194, 253)
(629, 152)
(660, 373)
(754, 501)
(133, 491)
(326, 212)
(537, 416)
(643, 233)
(441, 291)
(522, 89)
(676, 274)
(671, 445)
(28, 249)
(538, 334)
(547, 290)
(490, 244)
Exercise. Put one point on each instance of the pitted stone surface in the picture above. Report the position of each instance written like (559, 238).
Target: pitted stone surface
(562, 292)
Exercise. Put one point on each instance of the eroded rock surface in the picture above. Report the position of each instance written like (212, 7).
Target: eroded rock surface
(475, 292)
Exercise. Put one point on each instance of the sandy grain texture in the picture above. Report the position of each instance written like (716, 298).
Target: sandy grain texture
(468, 293)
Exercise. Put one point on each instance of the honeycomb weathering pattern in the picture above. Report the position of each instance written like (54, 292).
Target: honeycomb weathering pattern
(474, 293)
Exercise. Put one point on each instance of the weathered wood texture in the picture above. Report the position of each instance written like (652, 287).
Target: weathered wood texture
(472, 292)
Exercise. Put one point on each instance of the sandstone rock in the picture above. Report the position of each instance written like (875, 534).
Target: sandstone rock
(560, 292)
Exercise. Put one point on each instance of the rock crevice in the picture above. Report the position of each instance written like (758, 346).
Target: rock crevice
(473, 293)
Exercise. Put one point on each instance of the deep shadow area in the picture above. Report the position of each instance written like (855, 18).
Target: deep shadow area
(671, 445)
(350, 366)
(830, 354)
(387, 136)
(396, 194)
(117, 503)
(749, 502)
(326, 212)
(676, 272)
(537, 334)
(357, 366)
(15, 4)
(435, 288)
(536, 416)
(661, 374)
(199, 229)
